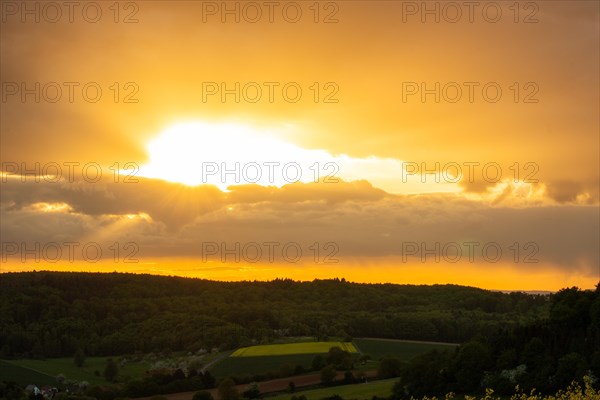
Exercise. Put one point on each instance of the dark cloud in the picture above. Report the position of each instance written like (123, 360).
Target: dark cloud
(565, 191)
(361, 220)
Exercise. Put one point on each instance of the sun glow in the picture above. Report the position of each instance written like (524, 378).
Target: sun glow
(228, 154)
(51, 207)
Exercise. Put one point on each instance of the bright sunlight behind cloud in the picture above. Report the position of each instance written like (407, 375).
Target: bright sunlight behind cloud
(232, 154)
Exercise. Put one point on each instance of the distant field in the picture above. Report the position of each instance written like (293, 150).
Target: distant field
(10, 371)
(291, 348)
(267, 358)
(65, 366)
(405, 350)
(274, 357)
(359, 391)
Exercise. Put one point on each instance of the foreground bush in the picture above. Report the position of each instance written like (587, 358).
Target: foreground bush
(573, 392)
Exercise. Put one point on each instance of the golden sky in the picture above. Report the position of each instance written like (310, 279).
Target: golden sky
(406, 142)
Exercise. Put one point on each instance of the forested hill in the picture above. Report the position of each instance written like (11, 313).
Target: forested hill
(48, 314)
(545, 355)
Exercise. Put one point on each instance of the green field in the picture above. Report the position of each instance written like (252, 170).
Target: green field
(24, 376)
(404, 350)
(291, 348)
(269, 358)
(54, 366)
(258, 365)
(359, 391)
(274, 357)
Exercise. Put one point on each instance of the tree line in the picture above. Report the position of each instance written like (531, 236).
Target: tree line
(545, 355)
(55, 314)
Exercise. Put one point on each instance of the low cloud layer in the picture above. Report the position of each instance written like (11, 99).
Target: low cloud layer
(354, 219)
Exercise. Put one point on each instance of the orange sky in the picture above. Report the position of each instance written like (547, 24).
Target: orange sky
(366, 121)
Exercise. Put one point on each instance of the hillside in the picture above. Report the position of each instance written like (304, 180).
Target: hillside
(545, 356)
(52, 314)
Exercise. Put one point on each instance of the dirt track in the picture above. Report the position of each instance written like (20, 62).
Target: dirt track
(274, 385)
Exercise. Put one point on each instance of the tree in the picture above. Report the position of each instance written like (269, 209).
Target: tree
(340, 358)
(428, 373)
(398, 391)
(507, 359)
(203, 395)
(178, 374)
(79, 358)
(253, 392)
(389, 367)
(473, 358)
(349, 377)
(570, 367)
(111, 371)
(227, 390)
(208, 380)
(318, 362)
(328, 375)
